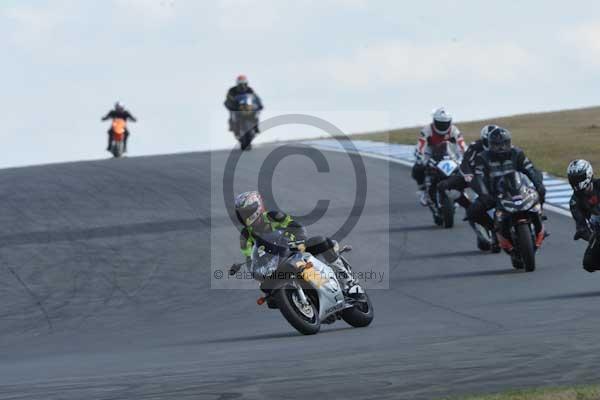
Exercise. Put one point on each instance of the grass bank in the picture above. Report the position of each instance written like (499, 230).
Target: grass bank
(572, 393)
(551, 139)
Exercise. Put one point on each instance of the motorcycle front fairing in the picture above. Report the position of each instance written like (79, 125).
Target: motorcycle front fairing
(322, 278)
(520, 196)
(444, 161)
(273, 263)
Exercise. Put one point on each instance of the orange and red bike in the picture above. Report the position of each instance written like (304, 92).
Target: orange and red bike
(117, 146)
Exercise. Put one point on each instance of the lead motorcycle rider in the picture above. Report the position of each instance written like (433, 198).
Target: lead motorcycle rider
(241, 87)
(440, 130)
(251, 213)
(467, 170)
(490, 166)
(585, 203)
(119, 112)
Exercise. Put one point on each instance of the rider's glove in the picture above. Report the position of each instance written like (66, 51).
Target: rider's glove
(234, 269)
(542, 193)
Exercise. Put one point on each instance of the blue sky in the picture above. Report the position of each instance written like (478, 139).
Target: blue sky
(365, 64)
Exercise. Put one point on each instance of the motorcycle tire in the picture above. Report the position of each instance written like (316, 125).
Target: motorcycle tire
(246, 141)
(516, 262)
(447, 212)
(526, 247)
(117, 149)
(483, 245)
(305, 324)
(360, 315)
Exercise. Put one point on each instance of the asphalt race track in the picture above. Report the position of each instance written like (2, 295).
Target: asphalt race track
(105, 291)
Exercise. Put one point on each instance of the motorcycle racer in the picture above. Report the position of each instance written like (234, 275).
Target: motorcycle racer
(584, 204)
(467, 170)
(491, 165)
(241, 87)
(255, 219)
(120, 115)
(440, 130)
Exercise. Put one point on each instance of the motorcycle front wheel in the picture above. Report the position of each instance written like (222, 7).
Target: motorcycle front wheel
(525, 246)
(305, 318)
(246, 141)
(447, 212)
(117, 149)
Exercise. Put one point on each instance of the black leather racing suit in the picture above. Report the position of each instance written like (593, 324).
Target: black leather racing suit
(489, 168)
(232, 105)
(467, 168)
(583, 206)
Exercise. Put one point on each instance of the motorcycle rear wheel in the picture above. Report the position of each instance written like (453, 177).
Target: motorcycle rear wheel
(360, 315)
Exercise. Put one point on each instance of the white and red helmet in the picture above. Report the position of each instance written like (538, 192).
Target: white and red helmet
(241, 80)
(442, 121)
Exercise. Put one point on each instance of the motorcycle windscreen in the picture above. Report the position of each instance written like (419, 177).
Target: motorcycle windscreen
(246, 102)
(263, 264)
(443, 150)
(267, 252)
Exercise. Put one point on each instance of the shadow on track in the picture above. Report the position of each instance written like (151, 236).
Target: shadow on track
(266, 336)
(45, 237)
(566, 296)
(462, 253)
(415, 228)
(460, 275)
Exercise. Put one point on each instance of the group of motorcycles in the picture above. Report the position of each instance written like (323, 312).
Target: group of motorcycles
(244, 125)
(517, 200)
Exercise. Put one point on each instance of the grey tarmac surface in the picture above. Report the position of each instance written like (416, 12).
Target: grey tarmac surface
(105, 291)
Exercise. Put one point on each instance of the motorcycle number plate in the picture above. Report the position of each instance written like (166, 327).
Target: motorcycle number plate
(447, 166)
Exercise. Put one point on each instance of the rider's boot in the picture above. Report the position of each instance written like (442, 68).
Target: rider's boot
(495, 245)
(539, 238)
(423, 195)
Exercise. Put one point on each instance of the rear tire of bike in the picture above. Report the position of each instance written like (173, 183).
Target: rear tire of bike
(302, 323)
(360, 315)
(448, 212)
(525, 246)
(483, 245)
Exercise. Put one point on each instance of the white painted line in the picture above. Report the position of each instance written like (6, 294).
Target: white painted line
(561, 184)
(559, 189)
(557, 210)
(559, 200)
(559, 193)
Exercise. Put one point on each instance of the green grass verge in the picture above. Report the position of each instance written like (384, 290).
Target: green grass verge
(550, 139)
(567, 393)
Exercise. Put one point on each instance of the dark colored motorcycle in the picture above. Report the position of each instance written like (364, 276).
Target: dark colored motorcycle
(245, 119)
(443, 163)
(518, 205)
